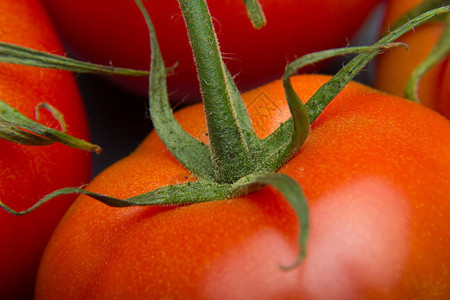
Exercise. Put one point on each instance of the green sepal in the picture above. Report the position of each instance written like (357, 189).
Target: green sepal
(287, 139)
(111, 201)
(53, 111)
(292, 193)
(203, 191)
(416, 11)
(14, 54)
(185, 193)
(317, 103)
(16, 135)
(17, 128)
(192, 154)
(248, 133)
(440, 51)
(255, 13)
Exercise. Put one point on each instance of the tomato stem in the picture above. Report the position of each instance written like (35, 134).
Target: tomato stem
(229, 150)
(255, 13)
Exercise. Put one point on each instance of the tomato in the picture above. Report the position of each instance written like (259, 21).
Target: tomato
(375, 171)
(114, 32)
(30, 172)
(395, 67)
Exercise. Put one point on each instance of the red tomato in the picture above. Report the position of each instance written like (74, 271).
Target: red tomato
(106, 31)
(396, 66)
(30, 172)
(375, 170)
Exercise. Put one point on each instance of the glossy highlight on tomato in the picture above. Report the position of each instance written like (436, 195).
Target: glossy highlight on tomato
(375, 172)
(30, 172)
(105, 31)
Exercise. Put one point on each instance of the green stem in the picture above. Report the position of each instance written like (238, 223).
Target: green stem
(229, 151)
(255, 13)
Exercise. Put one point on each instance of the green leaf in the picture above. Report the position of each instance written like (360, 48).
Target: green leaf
(15, 127)
(14, 54)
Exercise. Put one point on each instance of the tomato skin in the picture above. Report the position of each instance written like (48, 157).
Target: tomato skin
(395, 67)
(27, 172)
(375, 171)
(105, 31)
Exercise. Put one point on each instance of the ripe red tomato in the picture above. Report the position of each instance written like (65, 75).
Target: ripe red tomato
(395, 67)
(375, 171)
(105, 31)
(30, 172)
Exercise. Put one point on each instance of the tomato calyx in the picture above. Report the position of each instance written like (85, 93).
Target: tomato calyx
(235, 162)
(238, 158)
(440, 51)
